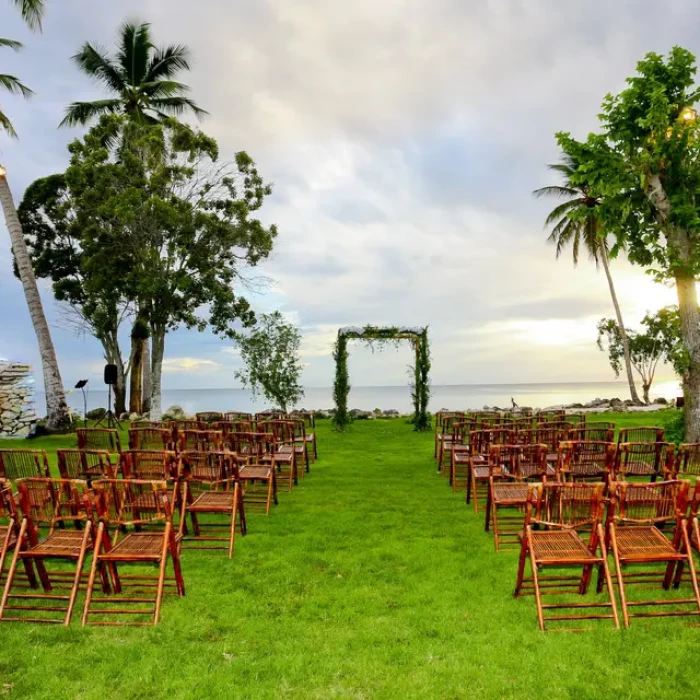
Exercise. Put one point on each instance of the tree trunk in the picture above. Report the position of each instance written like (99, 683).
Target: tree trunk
(645, 390)
(157, 352)
(146, 391)
(623, 333)
(136, 380)
(58, 414)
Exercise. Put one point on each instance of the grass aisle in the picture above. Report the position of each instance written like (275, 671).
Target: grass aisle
(371, 580)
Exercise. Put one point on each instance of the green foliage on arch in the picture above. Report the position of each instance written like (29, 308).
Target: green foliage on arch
(382, 335)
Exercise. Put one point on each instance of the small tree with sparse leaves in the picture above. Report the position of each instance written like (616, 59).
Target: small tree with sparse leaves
(270, 353)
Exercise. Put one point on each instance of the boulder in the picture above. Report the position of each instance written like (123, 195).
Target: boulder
(174, 413)
(134, 417)
(96, 414)
(661, 400)
(616, 403)
(391, 412)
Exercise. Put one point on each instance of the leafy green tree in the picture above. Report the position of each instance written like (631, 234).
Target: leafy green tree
(576, 222)
(645, 166)
(140, 76)
(58, 415)
(660, 340)
(270, 353)
(177, 222)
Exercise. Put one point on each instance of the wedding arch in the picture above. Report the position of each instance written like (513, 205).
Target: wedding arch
(382, 335)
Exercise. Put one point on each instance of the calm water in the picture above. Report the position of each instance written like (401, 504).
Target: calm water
(463, 396)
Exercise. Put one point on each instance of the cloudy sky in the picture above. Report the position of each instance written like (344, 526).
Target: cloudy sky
(404, 139)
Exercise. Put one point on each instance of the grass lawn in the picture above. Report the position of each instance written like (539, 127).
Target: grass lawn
(371, 580)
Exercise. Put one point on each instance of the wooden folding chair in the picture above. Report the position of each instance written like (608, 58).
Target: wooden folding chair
(135, 528)
(593, 432)
(235, 416)
(212, 486)
(636, 516)
(583, 460)
(200, 440)
(557, 516)
(54, 504)
(688, 460)
(98, 439)
(22, 464)
(10, 523)
(279, 450)
(445, 433)
(576, 419)
(162, 425)
(209, 416)
(459, 450)
(500, 464)
(305, 438)
(85, 464)
(641, 434)
(645, 459)
(555, 415)
(150, 439)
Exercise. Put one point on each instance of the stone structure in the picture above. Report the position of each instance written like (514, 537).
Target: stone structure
(17, 417)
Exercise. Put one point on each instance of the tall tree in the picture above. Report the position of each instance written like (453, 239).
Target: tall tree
(178, 220)
(645, 164)
(58, 415)
(576, 222)
(140, 77)
(270, 353)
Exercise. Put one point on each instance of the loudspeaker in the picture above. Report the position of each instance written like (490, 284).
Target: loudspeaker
(110, 374)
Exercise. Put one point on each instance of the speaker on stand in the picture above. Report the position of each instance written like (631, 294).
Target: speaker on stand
(110, 377)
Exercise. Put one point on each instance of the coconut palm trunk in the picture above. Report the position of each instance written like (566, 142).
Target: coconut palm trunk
(623, 333)
(58, 415)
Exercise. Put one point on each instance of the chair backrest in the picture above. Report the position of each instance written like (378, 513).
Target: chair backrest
(640, 458)
(150, 439)
(589, 431)
(577, 419)
(54, 502)
(201, 440)
(688, 459)
(503, 459)
(532, 461)
(565, 505)
(553, 415)
(98, 439)
(553, 433)
(8, 507)
(632, 503)
(499, 436)
(234, 416)
(223, 426)
(479, 442)
(309, 418)
(185, 424)
(150, 424)
(526, 436)
(158, 465)
(586, 458)
(21, 464)
(213, 468)
(283, 430)
(85, 464)
(251, 445)
(133, 502)
(641, 434)
(209, 416)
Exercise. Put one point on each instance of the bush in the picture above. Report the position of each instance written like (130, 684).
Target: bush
(675, 427)
(96, 414)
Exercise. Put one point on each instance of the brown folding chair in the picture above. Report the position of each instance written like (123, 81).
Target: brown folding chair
(10, 523)
(150, 439)
(22, 464)
(593, 432)
(98, 439)
(636, 516)
(645, 459)
(200, 440)
(163, 425)
(557, 517)
(280, 451)
(209, 416)
(135, 528)
(446, 434)
(641, 434)
(235, 416)
(149, 465)
(500, 462)
(85, 464)
(583, 460)
(54, 504)
(305, 439)
(212, 486)
(556, 415)
(688, 459)
(576, 419)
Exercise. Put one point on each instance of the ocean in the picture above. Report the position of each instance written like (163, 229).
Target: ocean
(367, 398)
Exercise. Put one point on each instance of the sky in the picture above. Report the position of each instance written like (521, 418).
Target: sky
(404, 139)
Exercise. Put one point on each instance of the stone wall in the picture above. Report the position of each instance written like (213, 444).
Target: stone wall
(17, 417)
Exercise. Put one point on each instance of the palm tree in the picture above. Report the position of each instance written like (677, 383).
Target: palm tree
(586, 230)
(140, 77)
(58, 415)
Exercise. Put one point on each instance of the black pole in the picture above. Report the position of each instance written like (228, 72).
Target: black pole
(82, 388)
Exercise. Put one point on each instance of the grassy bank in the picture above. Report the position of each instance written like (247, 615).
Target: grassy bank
(371, 580)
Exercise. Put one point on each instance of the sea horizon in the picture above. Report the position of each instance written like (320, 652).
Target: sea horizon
(397, 397)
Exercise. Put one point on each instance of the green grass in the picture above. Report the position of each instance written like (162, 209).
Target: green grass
(371, 580)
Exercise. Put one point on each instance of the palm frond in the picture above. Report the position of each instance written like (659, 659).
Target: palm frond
(135, 47)
(14, 86)
(80, 113)
(163, 88)
(556, 191)
(11, 44)
(6, 125)
(166, 62)
(32, 12)
(95, 62)
(562, 210)
(176, 106)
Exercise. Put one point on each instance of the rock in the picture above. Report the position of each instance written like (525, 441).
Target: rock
(392, 412)
(134, 417)
(616, 403)
(627, 402)
(96, 414)
(124, 416)
(174, 413)
(576, 405)
(661, 400)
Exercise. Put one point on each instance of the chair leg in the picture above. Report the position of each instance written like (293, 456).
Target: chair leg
(93, 572)
(161, 573)
(536, 584)
(608, 577)
(691, 563)
(13, 568)
(78, 572)
(620, 578)
(521, 566)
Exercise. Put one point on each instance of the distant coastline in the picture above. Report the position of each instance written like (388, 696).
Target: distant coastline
(454, 396)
